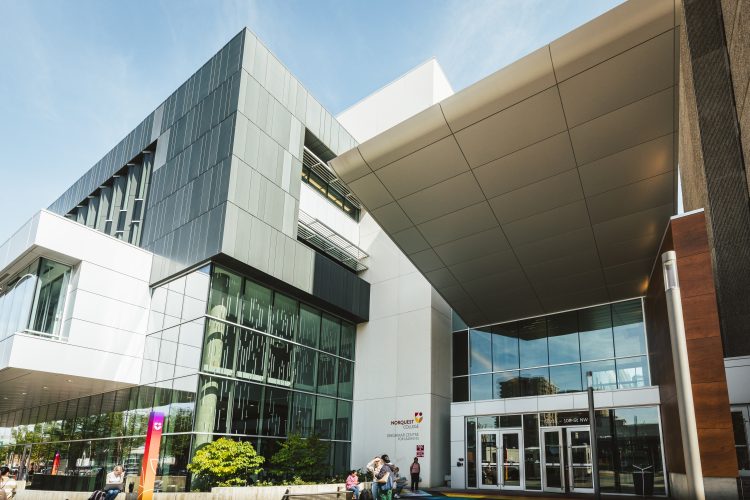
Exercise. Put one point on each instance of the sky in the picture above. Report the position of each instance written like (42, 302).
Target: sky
(77, 76)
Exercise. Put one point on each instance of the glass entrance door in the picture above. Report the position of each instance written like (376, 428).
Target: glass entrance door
(511, 473)
(488, 448)
(580, 466)
(552, 460)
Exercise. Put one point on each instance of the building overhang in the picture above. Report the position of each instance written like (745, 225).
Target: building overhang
(545, 186)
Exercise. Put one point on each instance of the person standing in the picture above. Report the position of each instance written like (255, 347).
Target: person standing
(415, 470)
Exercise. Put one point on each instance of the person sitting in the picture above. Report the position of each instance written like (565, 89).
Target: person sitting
(7, 483)
(115, 483)
(352, 484)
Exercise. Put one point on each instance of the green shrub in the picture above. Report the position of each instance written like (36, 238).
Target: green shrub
(304, 459)
(224, 462)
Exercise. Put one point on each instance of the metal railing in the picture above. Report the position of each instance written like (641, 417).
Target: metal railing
(325, 239)
(321, 168)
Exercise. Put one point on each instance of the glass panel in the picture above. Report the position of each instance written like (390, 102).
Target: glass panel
(460, 389)
(304, 368)
(510, 421)
(256, 305)
(535, 382)
(250, 355)
(279, 362)
(488, 454)
(50, 296)
(344, 420)
(325, 417)
(276, 411)
(223, 298)
(563, 338)
(346, 377)
(284, 316)
(460, 353)
(330, 334)
(348, 335)
(632, 372)
(552, 460)
(480, 355)
(629, 332)
(309, 325)
(481, 387)
(565, 378)
(181, 411)
(532, 335)
(218, 348)
(326, 374)
(506, 384)
(511, 460)
(596, 333)
(246, 409)
(604, 374)
(303, 414)
(738, 425)
(471, 447)
(488, 422)
(531, 455)
(505, 347)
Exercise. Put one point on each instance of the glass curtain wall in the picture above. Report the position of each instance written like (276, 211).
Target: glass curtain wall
(551, 354)
(34, 302)
(273, 366)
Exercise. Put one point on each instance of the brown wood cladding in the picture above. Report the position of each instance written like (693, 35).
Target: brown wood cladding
(688, 238)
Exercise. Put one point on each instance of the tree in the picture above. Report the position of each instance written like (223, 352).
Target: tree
(307, 459)
(224, 462)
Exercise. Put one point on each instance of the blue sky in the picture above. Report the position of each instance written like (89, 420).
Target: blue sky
(77, 76)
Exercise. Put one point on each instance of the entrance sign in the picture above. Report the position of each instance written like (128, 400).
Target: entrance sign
(564, 418)
(420, 450)
(151, 456)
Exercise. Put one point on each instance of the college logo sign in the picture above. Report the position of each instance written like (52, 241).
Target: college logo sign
(418, 417)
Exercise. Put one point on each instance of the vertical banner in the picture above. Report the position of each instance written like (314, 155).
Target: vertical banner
(151, 456)
(56, 463)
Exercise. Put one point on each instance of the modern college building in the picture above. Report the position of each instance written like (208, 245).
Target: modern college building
(429, 274)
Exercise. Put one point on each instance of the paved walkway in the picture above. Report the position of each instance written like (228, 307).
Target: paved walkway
(447, 493)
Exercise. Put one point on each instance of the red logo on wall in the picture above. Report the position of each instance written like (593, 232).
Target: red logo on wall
(418, 417)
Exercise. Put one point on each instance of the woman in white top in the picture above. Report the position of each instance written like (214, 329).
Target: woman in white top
(115, 483)
(7, 483)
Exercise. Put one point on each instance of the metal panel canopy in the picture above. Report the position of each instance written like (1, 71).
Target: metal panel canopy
(545, 186)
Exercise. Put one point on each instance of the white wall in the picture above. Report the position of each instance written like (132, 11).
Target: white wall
(738, 375)
(314, 204)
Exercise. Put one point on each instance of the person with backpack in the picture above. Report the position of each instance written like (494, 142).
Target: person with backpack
(415, 470)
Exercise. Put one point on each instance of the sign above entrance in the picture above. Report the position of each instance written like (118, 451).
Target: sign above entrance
(564, 418)
(420, 450)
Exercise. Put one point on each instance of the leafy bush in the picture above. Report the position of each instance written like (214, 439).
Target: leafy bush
(303, 459)
(224, 462)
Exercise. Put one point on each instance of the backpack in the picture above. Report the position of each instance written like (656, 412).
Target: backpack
(97, 495)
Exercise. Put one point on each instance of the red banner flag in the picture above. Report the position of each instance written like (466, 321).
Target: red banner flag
(151, 456)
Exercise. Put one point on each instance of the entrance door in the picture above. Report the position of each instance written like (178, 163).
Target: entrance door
(580, 466)
(552, 460)
(511, 473)
(488, 448)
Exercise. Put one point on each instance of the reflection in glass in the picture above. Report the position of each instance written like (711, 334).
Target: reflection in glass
(276, 411)
(504, 347)
(632, 372)
(218, 348)
(330, 334)
(303, 414)
(344, 420)
(506, 384)
(246, 409)
(596, 333)
(304, 368)
(325, 416)
(256, 305)
(471, 447)
(566, 378)
(284, 316)
(535, 382)
(250, 355)
(563, 338)
(50, 296)
(511, 460)
(223, 298)
(279, 362)
(348, 334)
(630, 335)
(326, 374)
(346, 379)
(532, 457)
(309, 325)
(481, 386)
(480, 359)
(603, 374)
(488, 454)
(460, 353)
(532, 336)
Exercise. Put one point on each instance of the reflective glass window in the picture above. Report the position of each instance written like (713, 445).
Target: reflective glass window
(346, 379)
(276, 411)
(506, 384)
(531, 457)
(563, 338)
(181, 411)
(219, 347)
(284, 316)
(330, 334)
(50, 296)
(344, 420)
(460, 389)
(632, 372)
(325, 417)
(348, 334)
(596, 333)
(256, 305)
(250, 355)
(603, 374)
(505, 347)
(223, 298)
(326, 374)
(481, 386)
(480, 351)
(460, 353)
(303, 414)
(629, 332)
(279, 362)
(309, 325)
(471, 448)
(535, 382)
(305, 368)
(532, 339)
(246, 408)
(565, 378)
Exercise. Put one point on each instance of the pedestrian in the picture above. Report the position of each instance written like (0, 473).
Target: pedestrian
(373, 467)
(415, 470)
(7, 483)
(352, 484)
(115, 483)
